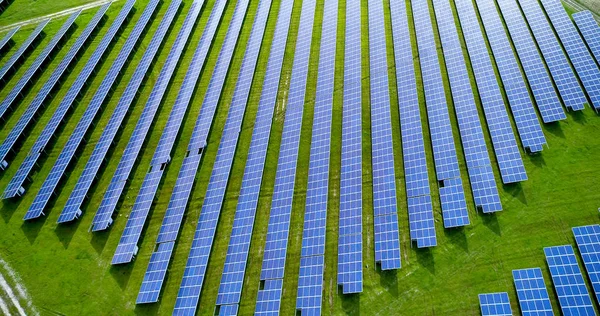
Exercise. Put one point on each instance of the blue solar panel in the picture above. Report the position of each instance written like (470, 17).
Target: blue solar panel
(275, 252)
(349, 271)
(15, 187)
(588, 243)
(564, 77)
(27, 117)
(420, 214)
(230, 288)
(312, 256)
(18, 89)
(72, 208)
(589, 29)
(155, 274)
(495, 304)
(14, 58)
(580, 57)
(8, 37)
(498, 122)
(573, 296)
(442, 139)
(77, 137)
(535, 70)
(103, 217)
(526, 120)
(532, 292)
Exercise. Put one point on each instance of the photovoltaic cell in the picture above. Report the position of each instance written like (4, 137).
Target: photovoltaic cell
(495, 304)
(526, 120)
(535, 70)
(72, 208)
(573, 296)
(19, 53)
(230, 288)
(103, 217)
(444, 151)
(564, 77)
(77, 137)
(589, 29)
(579, 55)
(8, 36)
(127, 247)
(15, 187)
(155, 274)
(382, 147)
(532, 292)
(420, 210)
(27, 117)
(588, 243)
(273, 264)
(312, 256)
(18, 89)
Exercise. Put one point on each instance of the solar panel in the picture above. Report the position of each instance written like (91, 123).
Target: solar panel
(155, 274)
(15, 187)
(232, 279)
(72, 208)
(442, 139)
(589, 29)
(564, 77)
(503, 139)
(275, 252)
(8, 37)
(77, 137)
(580, 57)
(495, 304)
(535, 70)
(573, 296)
(18, 89)
(312, 256)
(526, 120)
(532, 293)
(421, 223)
(588, 243)
(27, 117)
(14, 58)
(103, 217)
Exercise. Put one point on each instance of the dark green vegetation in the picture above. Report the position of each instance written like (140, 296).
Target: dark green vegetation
(67, 270)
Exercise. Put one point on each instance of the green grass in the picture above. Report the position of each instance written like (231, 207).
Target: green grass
(67, 270)
(20, 10)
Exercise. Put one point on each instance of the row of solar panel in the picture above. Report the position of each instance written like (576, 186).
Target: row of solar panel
(569, 283)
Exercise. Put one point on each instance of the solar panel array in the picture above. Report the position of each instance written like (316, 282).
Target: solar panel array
(526, 120)
(155, 274)
(18, 89)
(14, 58)
(349, 269)
(589, 29)
(387, 241)
(77, 137)
(72, 209)
(495, 304)
(573, 296)
(27, 117)
(588, 243)
(232, 279)
(8, 37)
(127, 247)
(532, 292)
(103, 217)
(580, 57)
(451, 191)
(312, 255)
(535, 70)
(273, 264)
(180, 195)
(420, 210)
(564, 77)
(15, 186)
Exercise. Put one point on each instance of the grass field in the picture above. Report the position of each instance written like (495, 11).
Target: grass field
(67, 270)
